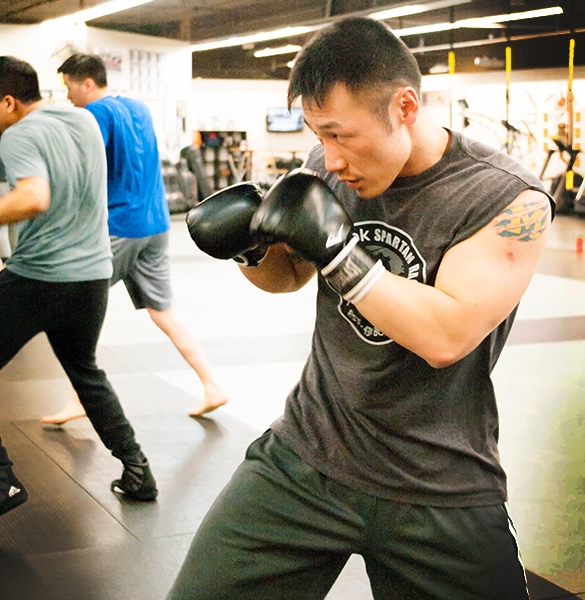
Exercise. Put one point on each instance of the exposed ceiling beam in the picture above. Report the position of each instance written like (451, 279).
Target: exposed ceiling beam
(389, 12)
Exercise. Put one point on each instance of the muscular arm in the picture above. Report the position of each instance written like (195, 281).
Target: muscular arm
(478, 284)
(281, 271)
(30, 197)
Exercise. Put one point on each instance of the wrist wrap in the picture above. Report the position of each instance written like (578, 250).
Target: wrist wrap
(353, 272)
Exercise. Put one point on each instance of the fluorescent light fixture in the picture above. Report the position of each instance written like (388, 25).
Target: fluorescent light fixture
(254, 38)
(435, 27)
(95, 12)
(288, 49)
(528, 14)
(414, 9)
(489, 22)
(396, 13)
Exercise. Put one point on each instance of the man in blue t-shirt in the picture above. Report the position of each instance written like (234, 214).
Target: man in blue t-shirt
(138, 217)
(57, 278)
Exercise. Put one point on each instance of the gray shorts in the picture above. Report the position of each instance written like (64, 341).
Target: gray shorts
(281, 529)
(144, 267)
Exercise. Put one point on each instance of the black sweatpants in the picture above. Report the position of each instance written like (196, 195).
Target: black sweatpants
(281, 530)
(71, 314)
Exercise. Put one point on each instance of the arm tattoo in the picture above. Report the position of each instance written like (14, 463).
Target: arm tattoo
(525, 222)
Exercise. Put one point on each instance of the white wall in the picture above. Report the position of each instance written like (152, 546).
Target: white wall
(41, 47)
(241, 105)
(46, 47)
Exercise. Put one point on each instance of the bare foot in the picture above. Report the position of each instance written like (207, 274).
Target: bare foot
(214, 398)
(73, 410)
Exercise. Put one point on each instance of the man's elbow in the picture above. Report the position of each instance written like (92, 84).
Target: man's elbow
(35, 195)
(447, 354)
(37, 206)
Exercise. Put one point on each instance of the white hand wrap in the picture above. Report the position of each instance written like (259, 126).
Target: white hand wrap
(353, 272)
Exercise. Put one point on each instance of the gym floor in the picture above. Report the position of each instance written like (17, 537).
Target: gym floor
(75, 540)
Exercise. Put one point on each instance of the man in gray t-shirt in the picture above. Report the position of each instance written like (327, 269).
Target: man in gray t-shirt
(423, 243)
(57, 279)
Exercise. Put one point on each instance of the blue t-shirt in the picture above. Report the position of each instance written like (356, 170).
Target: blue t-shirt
(69, 241)
(137, 203)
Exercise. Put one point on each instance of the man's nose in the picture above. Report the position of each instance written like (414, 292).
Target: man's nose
(334, 160)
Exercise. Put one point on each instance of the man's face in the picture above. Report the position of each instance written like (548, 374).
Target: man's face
(364, 152)
(77, 91)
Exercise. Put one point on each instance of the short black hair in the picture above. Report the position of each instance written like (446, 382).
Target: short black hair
(359, 52)
(19, 80)
(85, 66)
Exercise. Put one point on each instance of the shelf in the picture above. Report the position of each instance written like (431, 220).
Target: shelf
(225, 157)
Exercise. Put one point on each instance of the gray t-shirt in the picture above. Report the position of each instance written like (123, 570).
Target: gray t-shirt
(69, 241)
(373, 415)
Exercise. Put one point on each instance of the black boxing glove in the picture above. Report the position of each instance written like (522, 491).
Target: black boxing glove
(302, 211)
(220, 225)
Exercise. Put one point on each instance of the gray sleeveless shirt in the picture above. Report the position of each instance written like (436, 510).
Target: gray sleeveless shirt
(373, 415)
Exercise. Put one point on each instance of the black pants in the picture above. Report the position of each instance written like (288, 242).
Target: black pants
(281, 530)
(71, 314)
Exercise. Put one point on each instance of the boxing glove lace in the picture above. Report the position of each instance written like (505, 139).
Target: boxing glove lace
(220, 225)
(303, 212)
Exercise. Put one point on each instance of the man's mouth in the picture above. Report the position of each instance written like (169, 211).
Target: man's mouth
(351, 183)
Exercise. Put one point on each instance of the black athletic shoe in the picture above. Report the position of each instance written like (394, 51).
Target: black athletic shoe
(137, 482)
(12, 492)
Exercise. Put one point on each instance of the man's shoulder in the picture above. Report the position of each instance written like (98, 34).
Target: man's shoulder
(48, 117)
(113, 100)
(47, 112)
(116, 104)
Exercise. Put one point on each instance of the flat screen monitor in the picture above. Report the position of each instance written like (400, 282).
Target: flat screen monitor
(281, 120)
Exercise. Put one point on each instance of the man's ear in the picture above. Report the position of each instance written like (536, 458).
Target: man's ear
(10, 103)
(88, 84)
(409, 104)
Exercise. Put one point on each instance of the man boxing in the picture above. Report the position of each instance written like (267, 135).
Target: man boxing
(57, 279)
(423, 242)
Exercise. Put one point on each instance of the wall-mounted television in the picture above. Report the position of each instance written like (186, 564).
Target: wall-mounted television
(282, 120)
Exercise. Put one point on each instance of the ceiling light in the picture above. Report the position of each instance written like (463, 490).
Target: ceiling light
(480, 22)
(253, 38)
(528, 14)
(289, 49)
(425, 29)
(95, 12)
(436, 27)
(414, 9)
(396, 13)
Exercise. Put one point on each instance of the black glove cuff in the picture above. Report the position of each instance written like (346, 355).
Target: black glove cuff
(252, 257)
(353, 272)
